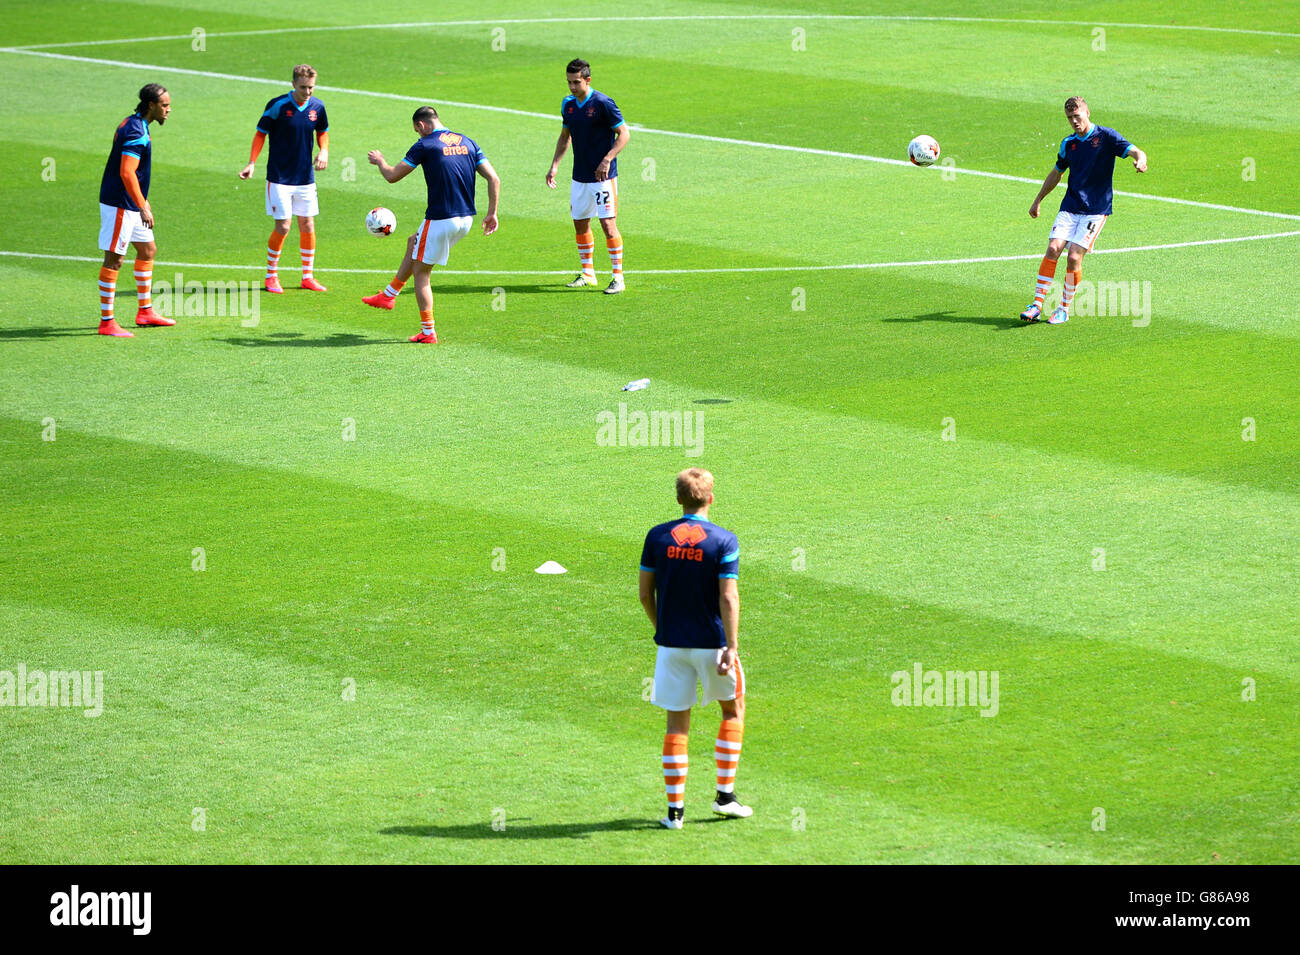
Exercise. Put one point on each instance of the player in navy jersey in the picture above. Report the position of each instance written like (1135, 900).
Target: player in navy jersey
(125, 216)
(450, 161)
(290, 121)
(1089, 153)
(688, 587)
(593, 123)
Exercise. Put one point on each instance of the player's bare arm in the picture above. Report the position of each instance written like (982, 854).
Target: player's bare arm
(390, 173)
(1139, 159)
(494, 195)
(729, 603)
(1051, 182)
(323, 155)
(561, 147)
(647, 594)
(602, 168)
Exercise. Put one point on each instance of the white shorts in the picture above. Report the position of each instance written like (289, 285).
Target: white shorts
(678, 669)
(435, 237)
(118, 228)
(283, 201)
(1079, 228)
(599, 199)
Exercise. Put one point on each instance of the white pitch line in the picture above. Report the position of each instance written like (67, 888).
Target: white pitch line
(760, 268)
(757, 17)
(725, 140)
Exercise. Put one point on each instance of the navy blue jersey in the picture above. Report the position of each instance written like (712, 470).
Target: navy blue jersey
(131, 139)
(591, 125)
(290, 128)
(689, 556)
(1091, 161)
(449, 160)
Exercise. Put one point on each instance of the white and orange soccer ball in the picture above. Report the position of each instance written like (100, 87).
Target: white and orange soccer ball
(923, 151)
(381, 221)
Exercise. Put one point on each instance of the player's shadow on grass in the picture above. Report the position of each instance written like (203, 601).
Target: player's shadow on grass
(497, 289)
(292, 340)
(998, 321)
(519, 829)
(23, 334)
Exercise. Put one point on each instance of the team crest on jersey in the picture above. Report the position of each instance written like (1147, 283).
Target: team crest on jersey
(591, 111)
(451, 139)
(1095, 142)
(288, 112)
(311, 114)
(689, 534)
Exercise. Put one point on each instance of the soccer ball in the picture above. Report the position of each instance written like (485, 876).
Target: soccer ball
(923, 151)
(381, 221)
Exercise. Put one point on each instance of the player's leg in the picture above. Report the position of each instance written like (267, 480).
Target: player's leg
(388, 297)
(307, 235)
(424, 302)
(1073, 272)
(1046, 273)
(273, 246)
(144, 256)
(607, 210)
(112, 221)
(582, 206)
(674, 690)
(279, 202)
(726, 751)
(675, 761)
(586, 252)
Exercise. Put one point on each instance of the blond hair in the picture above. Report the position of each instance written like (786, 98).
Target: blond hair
(694, 487)
(302, 71)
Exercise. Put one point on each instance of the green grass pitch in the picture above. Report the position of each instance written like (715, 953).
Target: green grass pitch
(301, 552)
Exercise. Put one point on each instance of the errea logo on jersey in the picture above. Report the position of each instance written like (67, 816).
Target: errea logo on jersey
(689, 534)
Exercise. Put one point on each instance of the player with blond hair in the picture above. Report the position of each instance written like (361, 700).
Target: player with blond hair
(1089, 153)
(290, 120)
(688, 587)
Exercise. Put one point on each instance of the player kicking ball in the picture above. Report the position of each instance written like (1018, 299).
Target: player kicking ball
(450, 161)
(290, 121)
(689, 569)
(1089, 153)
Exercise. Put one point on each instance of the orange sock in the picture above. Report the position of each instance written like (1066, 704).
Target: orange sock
(144, 283)
(426, 321)
(394, 287)
(615, 246)
(273, 247)
(586, 248)
(1071, 283)
(727, 753)
(675, 765)
(107, 289)
(307, 246)
(1046, 272)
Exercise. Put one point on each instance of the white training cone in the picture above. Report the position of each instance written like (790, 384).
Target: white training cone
(551, 567)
